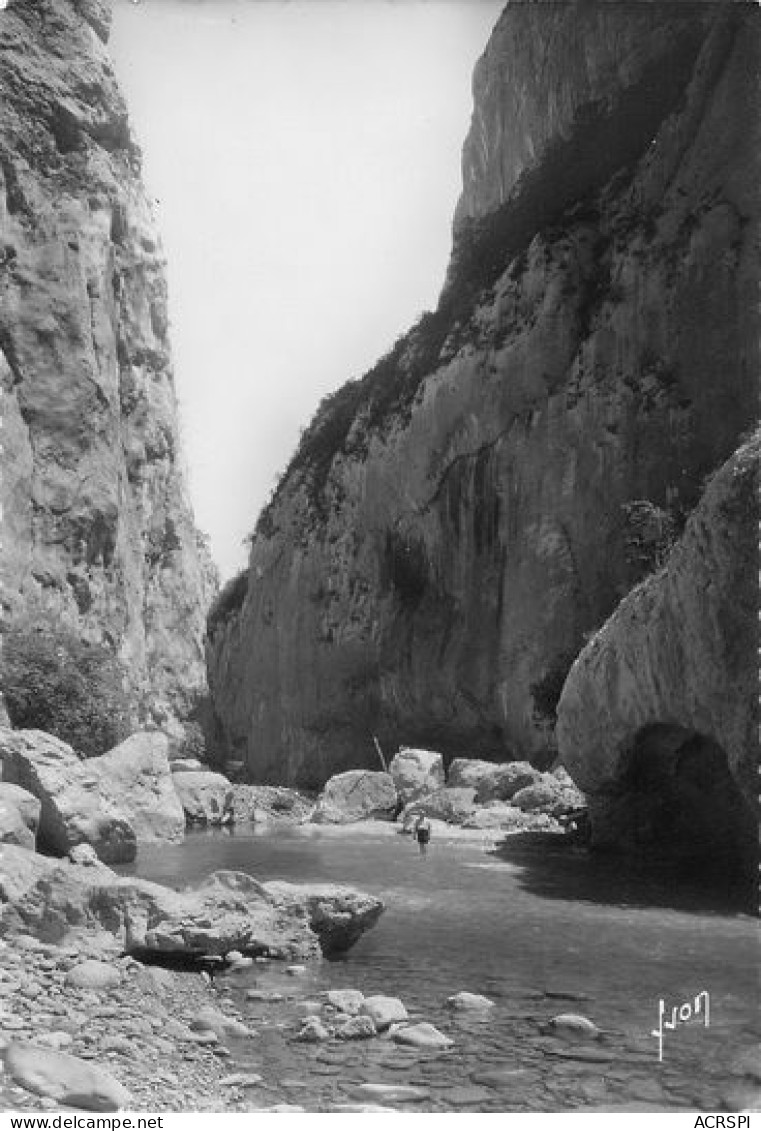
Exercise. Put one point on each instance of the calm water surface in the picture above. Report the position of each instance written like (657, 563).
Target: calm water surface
(536, 928)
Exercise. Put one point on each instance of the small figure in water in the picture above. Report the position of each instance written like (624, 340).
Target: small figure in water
(422, 832)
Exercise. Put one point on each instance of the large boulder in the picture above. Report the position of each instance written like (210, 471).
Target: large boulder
(658, 718)
(455, 806)
(58, 901)
(501, 815)
(73, 808)
(227, 911)
(492, 781)
(63, 1078)
(416, 772)
(19, 815)
(136, 777)
(186, 766)
(206, 797)
(357, 795)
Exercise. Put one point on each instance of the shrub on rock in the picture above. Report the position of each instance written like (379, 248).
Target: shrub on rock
(71, 688)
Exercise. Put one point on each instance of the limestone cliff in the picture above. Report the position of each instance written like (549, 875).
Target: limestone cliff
(658, 719)
(97, 530)
(457, 521)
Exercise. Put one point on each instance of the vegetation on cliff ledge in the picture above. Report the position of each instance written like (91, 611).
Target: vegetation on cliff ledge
(52, 680)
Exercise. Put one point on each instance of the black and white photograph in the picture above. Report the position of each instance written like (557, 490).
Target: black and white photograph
(379, 560)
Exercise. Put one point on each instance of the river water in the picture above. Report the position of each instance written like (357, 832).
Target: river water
(536, 927)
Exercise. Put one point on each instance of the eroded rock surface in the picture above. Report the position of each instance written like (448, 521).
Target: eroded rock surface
(658, 720)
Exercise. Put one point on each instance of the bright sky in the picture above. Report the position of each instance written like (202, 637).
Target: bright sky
(305, 160)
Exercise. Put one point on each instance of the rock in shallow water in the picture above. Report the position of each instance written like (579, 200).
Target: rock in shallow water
(64, 1078)
(748, 1063)
(228, 911)
(454, 806)
(423, 1035)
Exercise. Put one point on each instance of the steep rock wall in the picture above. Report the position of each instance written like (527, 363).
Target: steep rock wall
(97, 530)
(658, 719)
(457, 521)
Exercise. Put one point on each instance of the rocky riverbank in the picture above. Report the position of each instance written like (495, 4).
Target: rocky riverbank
(129, 1027)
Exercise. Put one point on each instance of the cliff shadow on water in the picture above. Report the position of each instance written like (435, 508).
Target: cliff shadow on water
(551, 868)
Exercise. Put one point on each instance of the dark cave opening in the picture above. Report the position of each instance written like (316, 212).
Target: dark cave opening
(686, 805)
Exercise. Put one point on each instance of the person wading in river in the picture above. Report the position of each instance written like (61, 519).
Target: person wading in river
(422, 833)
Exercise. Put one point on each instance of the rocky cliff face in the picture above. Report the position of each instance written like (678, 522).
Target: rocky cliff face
(456, 522)
(658, 719)
(97, 530)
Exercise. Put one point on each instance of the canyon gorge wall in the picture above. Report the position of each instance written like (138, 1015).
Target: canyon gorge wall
(459, 521)
(659, 717)
(97, 531)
